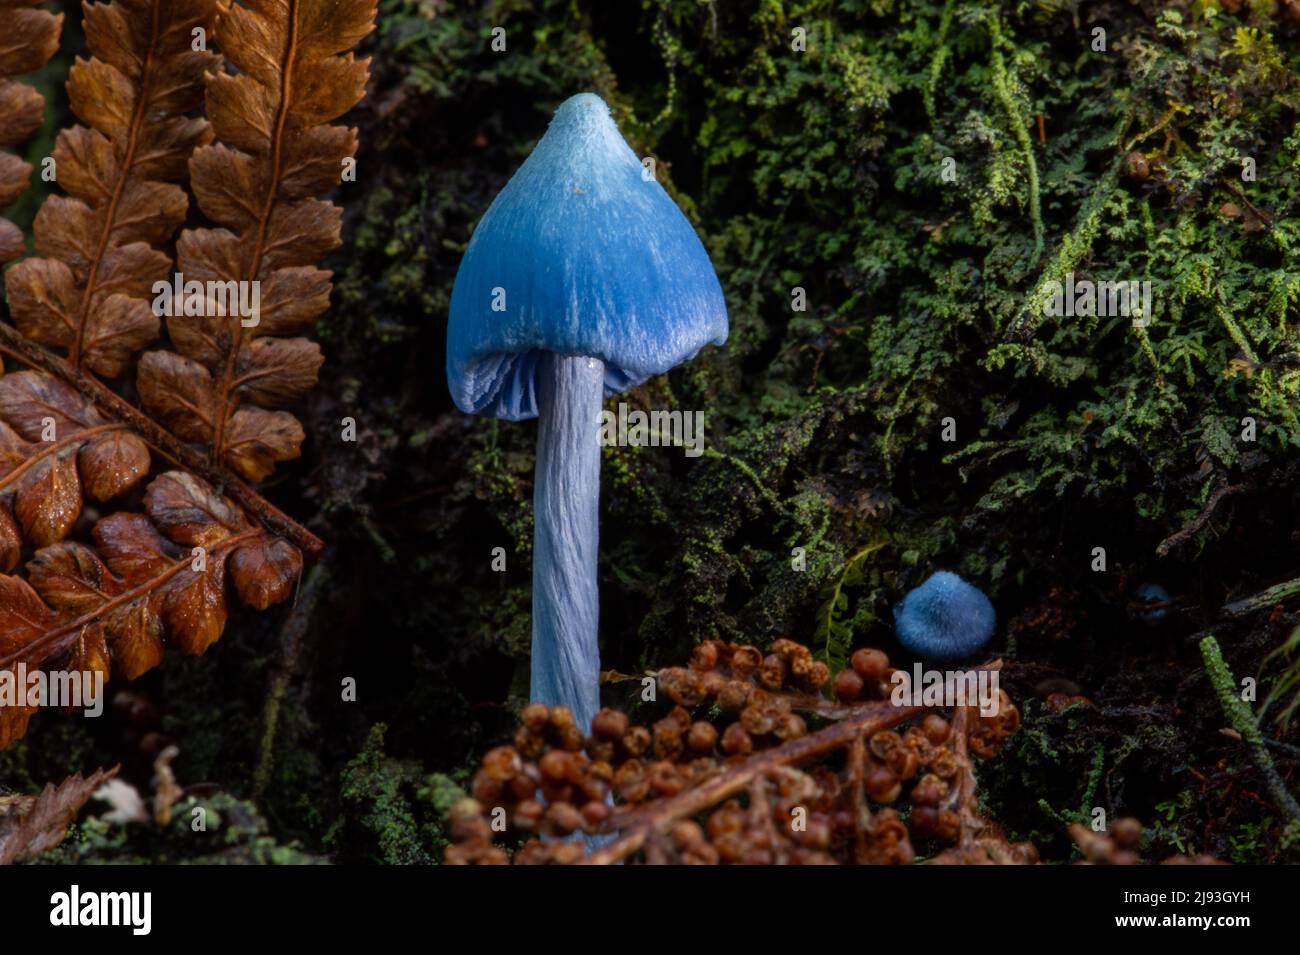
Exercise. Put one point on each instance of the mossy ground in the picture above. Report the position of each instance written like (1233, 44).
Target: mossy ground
(823, 170)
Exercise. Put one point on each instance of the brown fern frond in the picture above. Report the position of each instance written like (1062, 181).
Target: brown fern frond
(151, 580)
(54, 448)
(166, 445)
(275, 154)
(160, 578)
(102, 245)
(90, 293)
(30, 38)
(744, 779)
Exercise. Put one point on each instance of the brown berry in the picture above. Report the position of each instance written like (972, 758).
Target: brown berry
(609, 725)
(636, 741)
(935, 728)
(705, 656)
(736, 741)
(595, 813)
(870, 664)
(1127, 832)
(772, 673)
(536, 716)
(702, 737)
(554, 766)
(882, 785)
(733, 697)
(502, 763)
(745, 661)
(848, 686)
(818, 675)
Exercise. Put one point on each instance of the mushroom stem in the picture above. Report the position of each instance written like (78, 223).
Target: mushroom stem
(566, 506)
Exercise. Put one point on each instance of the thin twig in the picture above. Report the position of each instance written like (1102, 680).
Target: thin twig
(1264, 218)
(760, 814)
(861, 808)
(967, 811)
(1188, 532)
(291, 641)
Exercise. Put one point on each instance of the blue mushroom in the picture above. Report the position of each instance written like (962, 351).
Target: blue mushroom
(945, 618)
(1151, 603)
(583, 279)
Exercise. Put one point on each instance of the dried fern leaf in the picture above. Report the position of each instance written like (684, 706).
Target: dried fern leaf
(152, 580)
(29, 39)
(90, 293)
(55, 448)
(275, 155)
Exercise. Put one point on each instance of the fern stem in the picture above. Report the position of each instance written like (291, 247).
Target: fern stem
(1243, 721)
(1002, 89)
(60, 637)
(939, 60)
(109, 403)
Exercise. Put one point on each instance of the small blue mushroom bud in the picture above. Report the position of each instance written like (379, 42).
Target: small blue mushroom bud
(1149, 601)
(945, 618)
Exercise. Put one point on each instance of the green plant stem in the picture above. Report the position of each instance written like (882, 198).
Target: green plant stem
(1264, 599)
(940, 58)
(1243, 721)
(1002, 89)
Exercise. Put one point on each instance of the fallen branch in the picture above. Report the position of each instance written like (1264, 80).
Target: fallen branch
(1263, 600)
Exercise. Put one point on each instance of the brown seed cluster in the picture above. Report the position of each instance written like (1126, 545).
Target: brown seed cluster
(734, 772)
(1119, 846)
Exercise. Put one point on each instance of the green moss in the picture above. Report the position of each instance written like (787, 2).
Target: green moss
(211, 830)
(378, 796)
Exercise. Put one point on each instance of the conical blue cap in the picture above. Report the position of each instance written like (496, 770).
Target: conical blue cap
(580, 254)
(945, 618)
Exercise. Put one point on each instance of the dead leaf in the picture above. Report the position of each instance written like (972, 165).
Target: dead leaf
(152, 579)
(259, 183)
(54, 445)
(29, 39)
(88, 294)
(31, 825)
